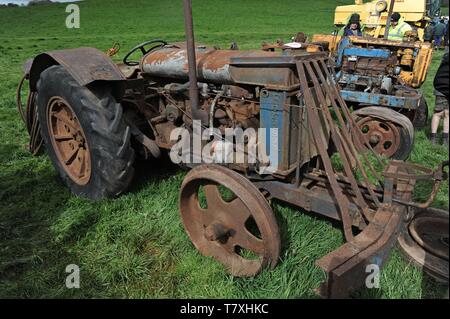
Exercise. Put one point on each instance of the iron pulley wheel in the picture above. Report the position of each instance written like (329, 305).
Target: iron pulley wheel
(228, 218)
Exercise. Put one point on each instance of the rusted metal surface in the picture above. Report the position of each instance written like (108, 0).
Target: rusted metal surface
(113, 50)
(197, 114)
(379, 211)
(385, 131)
(239, 231)
(425, 242)
(85, 65)
(431, 233)
(346, 266)
(384, 136)
(69, 141)
(211, 65)
(419, 173)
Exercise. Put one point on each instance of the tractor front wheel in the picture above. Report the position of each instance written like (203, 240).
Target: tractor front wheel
(85, 135)
(388, 132)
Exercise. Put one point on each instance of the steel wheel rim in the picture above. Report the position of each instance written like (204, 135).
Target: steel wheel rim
(383, 136)
(219, 230)
(69, 141)
(411, 243)
(431, 234)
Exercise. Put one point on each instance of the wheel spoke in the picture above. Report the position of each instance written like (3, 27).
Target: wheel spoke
(243, 238)
(63, 137)
(213, 198)
(379, 148)
(72, 156)
(64, 119)
(238, 210)
(207, 216)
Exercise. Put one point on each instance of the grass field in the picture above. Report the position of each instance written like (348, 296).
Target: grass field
(135, 246)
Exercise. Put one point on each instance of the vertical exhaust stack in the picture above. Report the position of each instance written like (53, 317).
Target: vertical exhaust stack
(197, 114)
(388, 21)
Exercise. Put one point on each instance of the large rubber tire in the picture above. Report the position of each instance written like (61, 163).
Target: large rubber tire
(106, 133)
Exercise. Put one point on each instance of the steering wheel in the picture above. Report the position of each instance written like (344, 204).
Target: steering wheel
(143, 50)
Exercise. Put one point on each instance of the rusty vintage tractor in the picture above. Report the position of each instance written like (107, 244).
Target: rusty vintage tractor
(95, 117)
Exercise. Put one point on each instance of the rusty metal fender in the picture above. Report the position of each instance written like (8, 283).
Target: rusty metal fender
(86, 65)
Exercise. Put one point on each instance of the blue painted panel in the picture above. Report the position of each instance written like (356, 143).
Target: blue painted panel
(368, 53)
(271, 116)
(381, 99)
(355, 78)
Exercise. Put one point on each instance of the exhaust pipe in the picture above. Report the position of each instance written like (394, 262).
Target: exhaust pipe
(197, 114)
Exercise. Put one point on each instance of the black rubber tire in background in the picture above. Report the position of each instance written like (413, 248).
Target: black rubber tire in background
(420, 116)
(107, 134)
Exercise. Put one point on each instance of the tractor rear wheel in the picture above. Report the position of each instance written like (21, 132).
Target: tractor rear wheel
(85, 135)
(388, 132)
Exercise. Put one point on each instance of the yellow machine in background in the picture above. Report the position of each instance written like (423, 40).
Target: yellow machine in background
(413, 58)
(374, 14)
(379, 78)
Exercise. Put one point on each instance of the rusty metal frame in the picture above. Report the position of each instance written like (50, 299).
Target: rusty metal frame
(378, 211)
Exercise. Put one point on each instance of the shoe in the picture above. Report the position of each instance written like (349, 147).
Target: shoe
(445, 139)
(433, 138)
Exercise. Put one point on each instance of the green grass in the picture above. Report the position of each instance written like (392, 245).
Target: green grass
(135, 246)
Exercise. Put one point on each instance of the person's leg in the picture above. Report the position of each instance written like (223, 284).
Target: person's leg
(437, 42)
(439, 108)
(435, 120)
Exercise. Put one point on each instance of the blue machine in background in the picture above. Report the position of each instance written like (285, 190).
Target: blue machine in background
(379, 80)
(371, 76)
